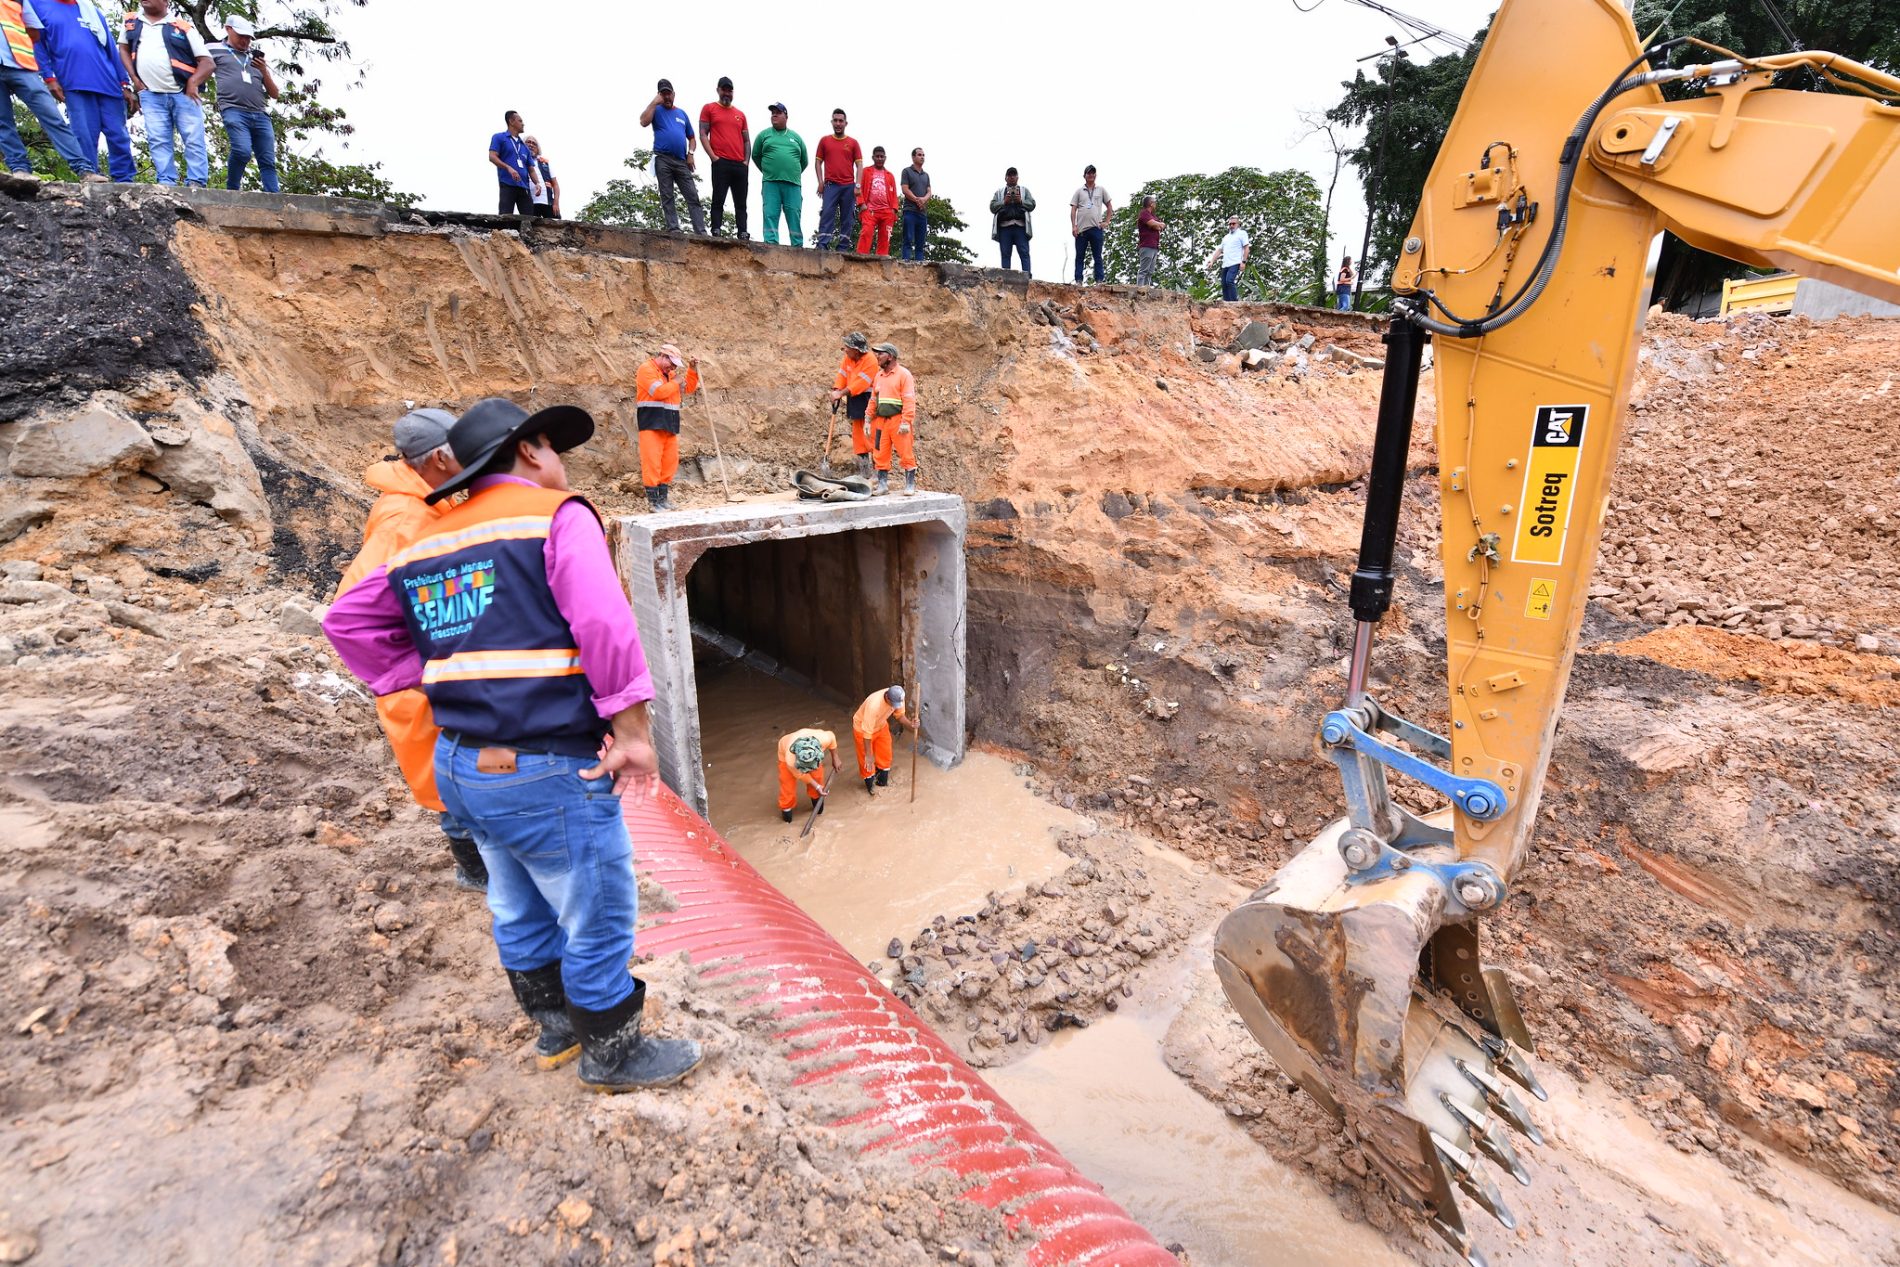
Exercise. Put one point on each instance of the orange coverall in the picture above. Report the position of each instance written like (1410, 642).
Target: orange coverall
(855, 378)
(398, 520)
(656, 399)
(897, 434)
(790, 776)
(871, 728)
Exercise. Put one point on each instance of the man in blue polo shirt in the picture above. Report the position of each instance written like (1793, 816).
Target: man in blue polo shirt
(673, 161)
(514, 165)
(23, 77)
(80, 62)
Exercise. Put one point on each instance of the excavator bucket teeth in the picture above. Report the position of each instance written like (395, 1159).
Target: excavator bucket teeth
(1325, 975)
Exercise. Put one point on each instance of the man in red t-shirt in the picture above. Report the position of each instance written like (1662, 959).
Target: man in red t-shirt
(723, 131)
(839, 163)
(877, 198)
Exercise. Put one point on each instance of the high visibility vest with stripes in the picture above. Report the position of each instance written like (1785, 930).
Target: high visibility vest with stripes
(19, 43)
(177, 44)
(500, 664)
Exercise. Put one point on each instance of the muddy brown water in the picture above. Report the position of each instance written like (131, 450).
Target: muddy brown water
(877, 868)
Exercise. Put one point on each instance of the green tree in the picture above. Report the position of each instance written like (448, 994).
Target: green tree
(633, 203)
(941, 246)
(1281, 212)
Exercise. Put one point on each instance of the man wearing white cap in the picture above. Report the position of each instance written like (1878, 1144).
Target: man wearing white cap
(245, 84)
(657, 396)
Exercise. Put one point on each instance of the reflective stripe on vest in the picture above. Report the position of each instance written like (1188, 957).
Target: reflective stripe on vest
(467, 665)
(19, 43)
(177, 45)
(523, 528)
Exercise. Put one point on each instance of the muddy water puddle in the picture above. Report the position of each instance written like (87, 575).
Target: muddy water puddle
(878, 867)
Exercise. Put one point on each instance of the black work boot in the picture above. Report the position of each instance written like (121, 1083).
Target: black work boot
(869, 784)
(470, 871)
(883, 778)
(666, 496)
(786, 815)
(864, 465)
(616, 1056)
(883, 483)
(910, 483)
(656, 498)
(539, 992)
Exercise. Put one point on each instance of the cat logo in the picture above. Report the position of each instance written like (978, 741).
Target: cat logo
(1550, 479)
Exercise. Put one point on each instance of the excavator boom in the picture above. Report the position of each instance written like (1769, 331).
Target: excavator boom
(1529, 261)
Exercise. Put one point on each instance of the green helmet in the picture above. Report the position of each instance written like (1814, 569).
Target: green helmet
(807, 753)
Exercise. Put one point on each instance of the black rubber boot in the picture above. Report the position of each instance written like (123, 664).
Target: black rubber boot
(654, 497)
(864, 466)
(666, 497)
(470, 871)
(910, 483)
(539, 992)
(870, 783)
(616, 1056)
(785, 814)
(883, 483)
(883, 778)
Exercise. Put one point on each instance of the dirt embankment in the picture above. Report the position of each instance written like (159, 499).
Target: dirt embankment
(1158, 554)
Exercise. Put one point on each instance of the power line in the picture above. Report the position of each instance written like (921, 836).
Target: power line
(1416, 26)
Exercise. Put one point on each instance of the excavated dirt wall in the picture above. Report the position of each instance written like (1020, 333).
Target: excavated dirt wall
(1158, 550)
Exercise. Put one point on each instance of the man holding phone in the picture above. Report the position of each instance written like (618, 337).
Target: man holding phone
(245, 84)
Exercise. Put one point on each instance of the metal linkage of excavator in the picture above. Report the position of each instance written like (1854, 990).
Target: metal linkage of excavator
(1358, 969)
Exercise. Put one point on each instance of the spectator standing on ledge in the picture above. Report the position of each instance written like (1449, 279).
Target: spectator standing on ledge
(1090, 212)
(1148, 228)
(514, 166)
(245, 84)
(168, 60)
(547, 199)
(673, 161)
(916, 206)
(840, 162)
(1232, 252)
(725, 136)
(1342, 285)
(81, 67)
(780, 155)
(877, 194)
(1009, 218)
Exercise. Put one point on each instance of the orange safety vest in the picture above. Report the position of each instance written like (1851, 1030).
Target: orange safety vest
(856, 373)
(177, 44)
(19, 42)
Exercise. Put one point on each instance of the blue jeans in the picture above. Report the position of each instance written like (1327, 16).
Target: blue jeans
(1230, 283)
(1089, 240)
(97, 114)
(34, 94)
(166, 112)
(1342, 298)
(1017, 236)
(835, 215)
(251, 133)
(916, 232)
(560, 867)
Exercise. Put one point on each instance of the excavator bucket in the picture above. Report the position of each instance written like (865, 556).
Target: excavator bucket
(1381, 1011)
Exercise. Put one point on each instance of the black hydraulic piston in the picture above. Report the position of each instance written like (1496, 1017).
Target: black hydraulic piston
(1391, 447)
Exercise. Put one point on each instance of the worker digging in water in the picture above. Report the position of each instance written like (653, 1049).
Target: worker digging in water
(871, 728)
(895, 393)
(658, 392)
(801, 758)
(509, 615)
(423, 463)
(856, 377)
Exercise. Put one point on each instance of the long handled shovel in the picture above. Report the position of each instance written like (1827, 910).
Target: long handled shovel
(717, 451)
(811, 820)
(824, 463)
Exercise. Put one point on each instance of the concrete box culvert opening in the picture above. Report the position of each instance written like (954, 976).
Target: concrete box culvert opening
(836, 598)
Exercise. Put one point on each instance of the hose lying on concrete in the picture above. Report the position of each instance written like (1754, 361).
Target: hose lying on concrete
(842, 1020)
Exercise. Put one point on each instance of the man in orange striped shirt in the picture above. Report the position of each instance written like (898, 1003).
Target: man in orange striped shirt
(657, 393)
(856, 376)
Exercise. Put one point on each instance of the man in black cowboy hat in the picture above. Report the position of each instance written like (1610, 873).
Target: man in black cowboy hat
(509, 615)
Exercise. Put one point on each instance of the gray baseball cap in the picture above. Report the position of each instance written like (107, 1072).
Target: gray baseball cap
(422, 431)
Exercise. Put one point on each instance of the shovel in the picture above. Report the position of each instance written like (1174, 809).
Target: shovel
(811, 820)
(824, 463)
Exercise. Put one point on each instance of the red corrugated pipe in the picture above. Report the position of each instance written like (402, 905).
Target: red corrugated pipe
(845, 1024)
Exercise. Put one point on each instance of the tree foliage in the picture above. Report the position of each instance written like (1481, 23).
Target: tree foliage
(1281, 212)
(942, 246)
(633, 203)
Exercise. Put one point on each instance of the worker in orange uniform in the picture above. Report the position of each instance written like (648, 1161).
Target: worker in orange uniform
(657, 391)
(801, 758)
(399, 519)
(894, 419)
(855, 377)
(877, 205)
(871, 728)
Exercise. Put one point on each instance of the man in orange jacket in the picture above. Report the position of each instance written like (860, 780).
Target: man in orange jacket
(855, 377)
(658, 391)
(894, 410)
(398, 520)
(871, 727)
(801, 760)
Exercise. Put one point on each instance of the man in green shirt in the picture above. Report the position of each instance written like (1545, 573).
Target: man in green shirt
(780, 156)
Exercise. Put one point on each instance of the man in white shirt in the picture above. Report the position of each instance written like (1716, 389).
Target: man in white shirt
(1233, 252)
(169, 62)
(1090, 211)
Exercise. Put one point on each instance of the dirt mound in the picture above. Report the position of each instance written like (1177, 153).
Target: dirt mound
(1781, 668)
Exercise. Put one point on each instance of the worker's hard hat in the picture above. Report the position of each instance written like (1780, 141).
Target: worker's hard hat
(895, 695)
(856, 341)
(886, 347)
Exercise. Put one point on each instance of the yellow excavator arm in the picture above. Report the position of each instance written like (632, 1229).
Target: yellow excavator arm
(1529, 264)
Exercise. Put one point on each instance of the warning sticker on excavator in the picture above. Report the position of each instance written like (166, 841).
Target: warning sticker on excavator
(1550, 479)
(1543, 596)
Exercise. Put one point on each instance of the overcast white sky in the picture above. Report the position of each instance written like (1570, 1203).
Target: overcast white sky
(1141, 92)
